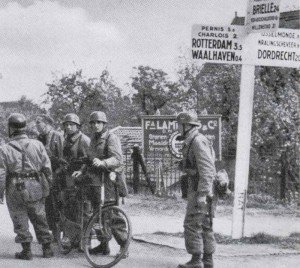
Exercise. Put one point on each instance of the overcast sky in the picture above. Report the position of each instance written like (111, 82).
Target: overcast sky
(41, 37)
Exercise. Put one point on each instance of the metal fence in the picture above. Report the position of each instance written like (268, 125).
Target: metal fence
(163, 171)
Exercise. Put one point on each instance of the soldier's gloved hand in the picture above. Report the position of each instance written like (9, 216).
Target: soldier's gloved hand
(112, 176)
(77, 174)
(201, 201)
(98, 163)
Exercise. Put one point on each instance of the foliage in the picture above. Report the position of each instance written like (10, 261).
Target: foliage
(275, 132)
(213, 89)
(24, 106)
(155, 93)
(74, 93)
(275, 138)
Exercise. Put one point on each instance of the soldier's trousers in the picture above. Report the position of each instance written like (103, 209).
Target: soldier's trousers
(198, 232)
(52, 213)
(118, 225)
(20, 212)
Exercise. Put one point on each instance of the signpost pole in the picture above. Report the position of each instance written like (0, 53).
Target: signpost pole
(243, 149)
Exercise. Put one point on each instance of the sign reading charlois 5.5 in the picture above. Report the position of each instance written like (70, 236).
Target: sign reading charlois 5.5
(160, 134)
(218, 44)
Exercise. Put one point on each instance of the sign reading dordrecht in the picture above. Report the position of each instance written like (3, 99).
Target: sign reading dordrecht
(280, 48)
(218, 44)
(262, 16)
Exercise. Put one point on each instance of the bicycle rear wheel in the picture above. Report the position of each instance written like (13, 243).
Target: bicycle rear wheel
(112, 227)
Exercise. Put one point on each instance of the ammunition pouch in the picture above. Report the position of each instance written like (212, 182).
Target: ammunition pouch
(30, 185)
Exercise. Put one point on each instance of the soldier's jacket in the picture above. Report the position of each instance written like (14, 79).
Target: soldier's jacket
(36, 159)
(198, 163)
(76, 147)
(53, 142)
(107, 147)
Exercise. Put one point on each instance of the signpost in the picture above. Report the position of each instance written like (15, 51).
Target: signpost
(218, 45)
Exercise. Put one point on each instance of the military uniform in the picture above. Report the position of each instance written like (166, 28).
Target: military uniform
(75, 147)
(199, 165)
(28, 202)
(107, 147)
(53, 142)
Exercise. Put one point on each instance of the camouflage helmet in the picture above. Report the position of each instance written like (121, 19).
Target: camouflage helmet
(72, 118)
(98, 116)
(17, 120)
(45, 118)
(187, 118)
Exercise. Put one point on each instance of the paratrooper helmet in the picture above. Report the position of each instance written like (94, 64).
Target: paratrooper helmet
(72, 118)
(17, 120)
(98, 116)
(187, 118)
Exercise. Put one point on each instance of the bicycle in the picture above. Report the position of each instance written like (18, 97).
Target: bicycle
(101, 228)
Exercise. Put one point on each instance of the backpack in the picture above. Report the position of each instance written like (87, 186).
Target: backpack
(221, 184)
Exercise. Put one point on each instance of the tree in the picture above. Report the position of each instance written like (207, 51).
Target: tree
(74, 93)
(154, 90)
(275, 145)
(24, 106)
(214, 88)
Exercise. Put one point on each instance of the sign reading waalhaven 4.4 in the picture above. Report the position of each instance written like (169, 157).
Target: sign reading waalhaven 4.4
(160, 133)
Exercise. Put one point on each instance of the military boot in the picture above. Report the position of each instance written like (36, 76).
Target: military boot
(195, 262)
(47, 250)
(208, 260)
(26, 253)
(103, 249)
(121, 252)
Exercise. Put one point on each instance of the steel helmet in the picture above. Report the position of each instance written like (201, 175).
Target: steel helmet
(187, 118)
(45, 118)
(17, 120)
(98, 116)
(72, 118)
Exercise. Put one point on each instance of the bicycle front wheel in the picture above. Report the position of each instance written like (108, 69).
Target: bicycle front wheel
(107, 237)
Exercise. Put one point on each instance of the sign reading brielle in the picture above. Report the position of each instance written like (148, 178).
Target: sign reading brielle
(262, 15)
(160, 135)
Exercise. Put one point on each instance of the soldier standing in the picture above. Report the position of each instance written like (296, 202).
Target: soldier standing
(75, 146)
(25, 174)
(198, 164)
(106, 154)
(53, 142)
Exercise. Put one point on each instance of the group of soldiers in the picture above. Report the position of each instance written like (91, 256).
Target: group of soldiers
(31, 174)
(34, 178)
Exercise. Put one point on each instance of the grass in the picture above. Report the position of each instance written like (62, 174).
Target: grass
(257, 204)
(291, 242)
